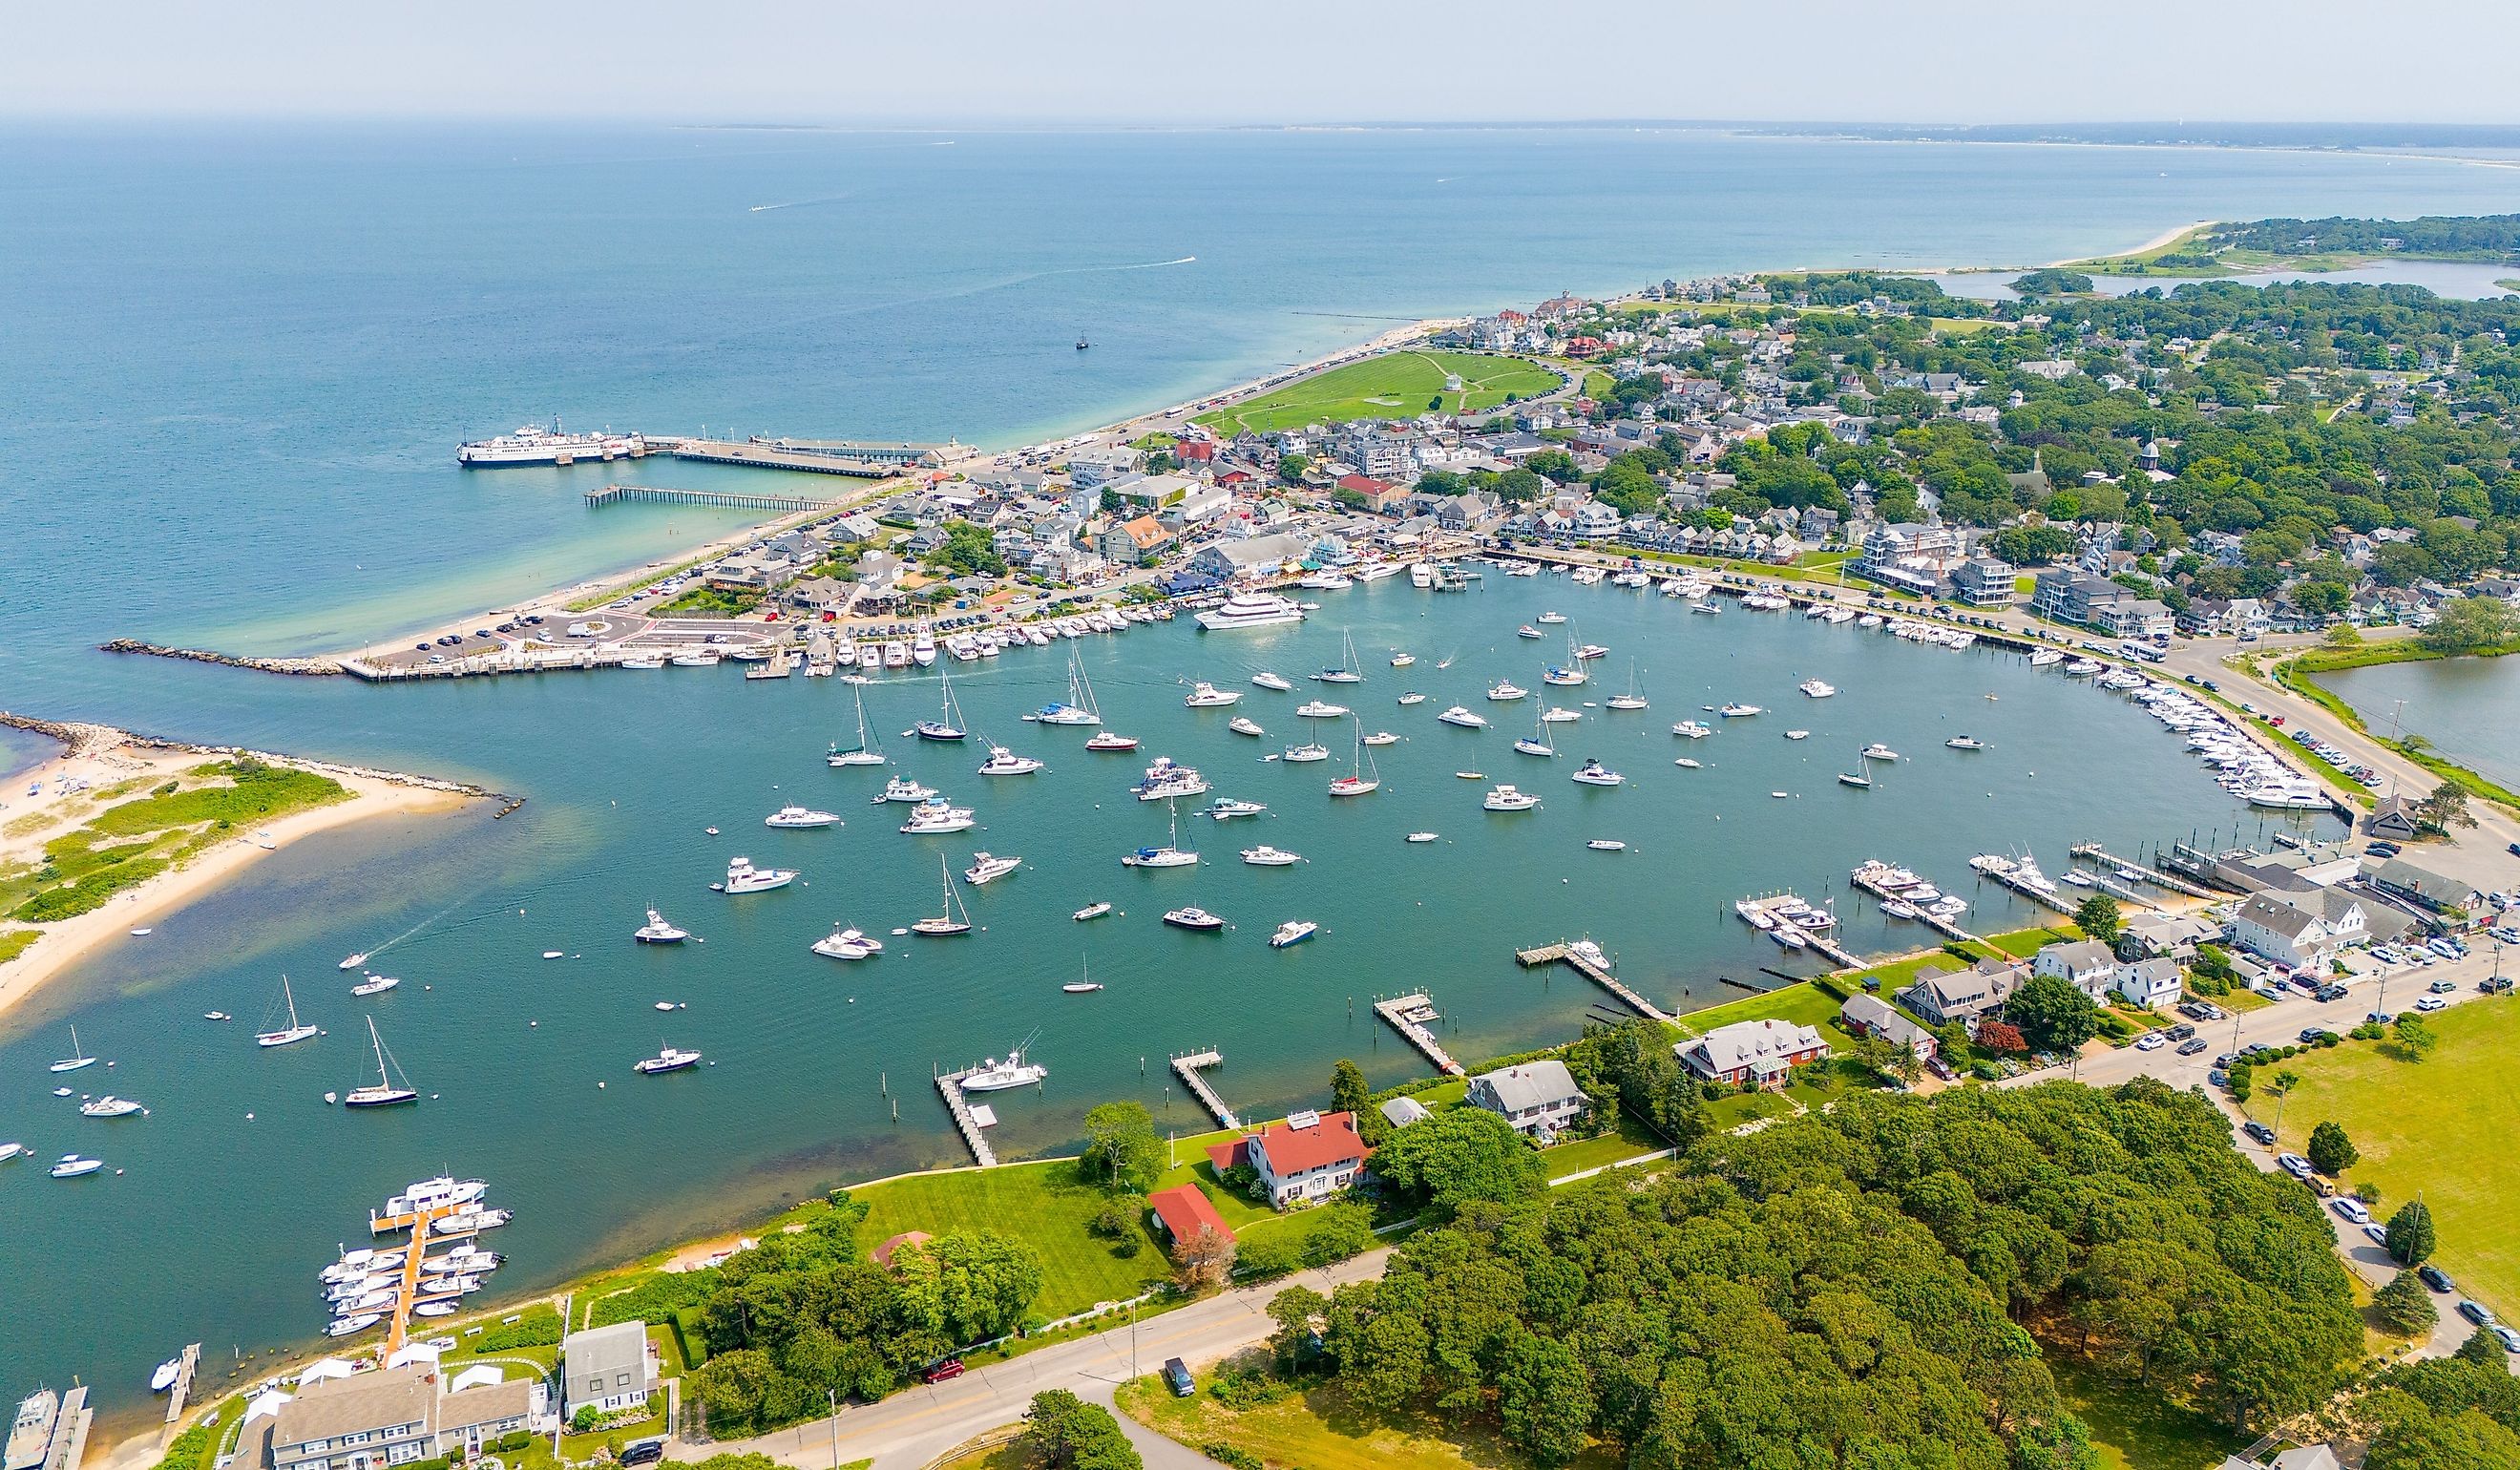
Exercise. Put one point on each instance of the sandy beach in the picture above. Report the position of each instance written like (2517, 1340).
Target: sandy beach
(102, 758)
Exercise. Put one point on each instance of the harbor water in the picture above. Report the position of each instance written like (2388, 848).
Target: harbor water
(241, 356)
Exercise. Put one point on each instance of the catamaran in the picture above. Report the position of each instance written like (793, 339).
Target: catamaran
(956, 919)
(294, 1030)
(862, 753)
(384, 1091)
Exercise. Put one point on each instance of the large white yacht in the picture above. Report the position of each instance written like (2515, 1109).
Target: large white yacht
(742, 877)
(801, 817)
(1250, 609)
(657, 931)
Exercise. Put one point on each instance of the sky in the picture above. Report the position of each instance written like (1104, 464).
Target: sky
(968, 62)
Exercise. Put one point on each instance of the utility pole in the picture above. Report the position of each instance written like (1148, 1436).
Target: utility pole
(833, 1395)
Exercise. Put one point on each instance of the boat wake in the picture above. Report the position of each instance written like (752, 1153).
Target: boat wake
(832, 199)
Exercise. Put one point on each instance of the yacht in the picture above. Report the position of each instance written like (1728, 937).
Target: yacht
(1108, 740)
(956, 919)
(1250, 609)
(2083, 668)
(1297, 755)
(1090, 912)
(1817, 689)
(1707, 605)
(1422, 838)
(1245, 725)
(1293, 931)
(1325, 581)
(375, 985)
(742, 877)
(985, 866)
(1465, 718)
(845, 943)
(1224, 808)
(295, 1030)
(896, 654)
(667, 1059)
(937, 818)
(73, 1166)
(922, 647)
(1528, 630)
(384, 1091)
(1589, 652)
(1965, 742)
(862, 753)
(1556, 715)
(1506, 692)
(1381, 737)
(1595, 774)
(1876, 751)
(1004, 762)
(346, 1326)
(1402, 660)
(995, 1075)
(1265, 856)
(1736, 710)
(1505, 799)
(948, 724)
(2045, 658)
(1696, 729)
(1421, 574)
(79, 1058)
(1205, 695)
(800, 816)
(1321, 709)
(1194, 918)
(1607, 845)
(1167, 779)
(903, 788)
(1412, 696)
(1562, 676)
(1552, 617)
(1268, 681)
(109, 1106)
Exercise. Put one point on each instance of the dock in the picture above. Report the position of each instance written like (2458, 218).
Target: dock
(722, 499)
(2005, 871)
(949, 1086)
(181, 1390)
(860, 461)
(1881, 881)
(423, 1225)
(1582, 958)
(1409, 1014)
(1777, 908)
(2150, 875)
(70, 1426)
(1188, 1068)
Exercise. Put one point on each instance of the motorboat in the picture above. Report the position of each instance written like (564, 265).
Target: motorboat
(1293, 931)
(1465, 718)
(845, 943)
(1297, 755)
(1797, 734)
(1686, 764)
(1422, 838)
(384, 1091)
(1506, 692)
(1876, 751)
(73, 1166)
(353, 963)
(164, 1377)
(1400, 660)
(1553, 715)
(1817, 689)
(1250, 609)
(1595, 774)
(903, 788)
(669, 1059)
(1224, 808)
(346, 1326)
(1004, 762)
(1505, 799)
(1528, 630)
(10, 1151)
(657, 931)
(933, 819)
(986, 866)
(696, 658)
(1321, 709)
(109, 1106)
(2082, 668)
(1707, 605)
(1245, 725)
(1965, 742)
(995, 1075)
(1090, 912)
(1607, 845)
(956, 919)
(2045, 658)
(1265, 856)
(375, 985)
(1412, 696)
(1167, 779)
(430, 1194)
(1901, 908)
(742, 877)
(1194, 918)
(800, 816)
(1587, 652)
(1382, 737)
(1111, 741)
(1268, 681)
(1736, 710)
(1695, 730)
(1205, 695)
(1552, 618)
(295, 1030)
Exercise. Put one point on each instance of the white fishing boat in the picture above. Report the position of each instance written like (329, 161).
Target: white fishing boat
(1268, 681)
(10, 1151)
(1552, 617)
(742, 877)
(1205, 695)
(1686, 764)
(1505, 799)
(937, 818)
(1265, 856)
(376, 985)
(1876, 751)
(78, 1059)
(1293, 931)
(1226, 808)
(1245, 725)
(1607, 845)
(696, 658)
(1422, 838)
(109, 1106)
(2045, 658)
(1797, 734)
(1817, 689)
(71, 1166)
(667, 1059)
(1736, 711)
(845, 943)
(864, 752)
(801, 818)
(1506, 692)
(986, 868)
(956, 919)
(1693, 729)
(1463, 716)
(1309, 752)
(657, 931)
(1194, 918)
(1321, 709)
(1090, 912)
(1595, 774)
(1381, 737)
(1004, 762)
(903, 788)
(995, 1075)
(1412, 696)
(1400, 660)
(279, 1036)
(387, 1090)
(1528, 630)
(1965, 742)
(1554, 715)
(353, 963)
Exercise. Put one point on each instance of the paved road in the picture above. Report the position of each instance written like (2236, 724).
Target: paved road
(914, 1426)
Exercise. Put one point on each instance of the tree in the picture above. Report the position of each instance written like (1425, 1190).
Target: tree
(2405, 1307)
(2446, 808)
(2341, 636)
(2330, 1152)
(2470, 624)
(1067, 1433)
(2415, 1038)
(1291, 467)
(967, 1285)
(1349, 1093)
(1299, 1312)
(2099, 918)
(1544, 1399)
(2282, 1084)
(2053, 1015)
(1457, 1156)
(2001, 1037)
(1338, 1232)
(1121, 1146)
(2411, 1234)
(1205, 1262)
(2482, 1347)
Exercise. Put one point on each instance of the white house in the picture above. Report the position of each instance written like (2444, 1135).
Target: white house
(2087, 964)
(1537, 1099)
(2149, 982)
(613, 1369)
(1306, 1157)
(2267, 926)
(1764, 1052)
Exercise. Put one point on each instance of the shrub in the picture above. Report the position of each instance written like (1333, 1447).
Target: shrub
(1232, 1454)
(1112, 1223)
(1267, 1255)
(1240, 1387)
(537, 1327)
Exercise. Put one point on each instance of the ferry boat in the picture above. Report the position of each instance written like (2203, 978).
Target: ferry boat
(845, 943)
(1245, 725)
(903, 788)
(801, 818)
(1268, 680)
(1194, 918)
(1309, 752)
(1111, 741)
(1505, 799)
(1463, 716)
(1293, 931)
(1205, 695)
(931, 818)
(742, 877)
(375, 985)
(1595, 774)
(997, 1076)
(1250, 609)
(294, 1030)
(668, 1059)
(1004, 762)
(1817, 689)
(1167, 779)
(985, 866)
(533, 444)
(1265, 856)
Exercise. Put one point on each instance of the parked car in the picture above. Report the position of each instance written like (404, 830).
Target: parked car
(2192, 1046)
(2295, 1164)
(2217, 1077)
(1176, 1375)
(2387, 953)
(2376, 1232)
(2260, 1132)
(2430, 1004)
(2180, 1032)
(2379, 1017)
(2312, 1035)
(2476, 1312)
(2507, 1337)
(2327, 993)
(2494, 985)
(2151, 1041)
(2435, 1278)
(2352, 1209)
(2382, 850)
(2443, 986)
(643, 1452)
(943, 1372)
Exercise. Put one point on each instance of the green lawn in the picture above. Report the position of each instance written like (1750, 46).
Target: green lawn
(1630, 1140)
(1394, 386)
(1804, 1003)
(1044, 1204)
(2140, 1429)
(2439, 1128)
(1317, 1428)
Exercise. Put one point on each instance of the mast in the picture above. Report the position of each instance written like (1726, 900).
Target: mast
(378, 1043)
(291, 998)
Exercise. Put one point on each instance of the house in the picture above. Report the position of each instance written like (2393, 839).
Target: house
(2422, 887)
(1186, 1212)
(1245, 557)
(2155, 983)
(478, 1413)
(1983, 582)
(2133, 617)
(610, 1367)
(2156, 933)
(1092, 468)
(1132, 542)
(2300, 1457)
(819, 594)
(1400, 1112)
(357, 1423)
(1941, 997)
(1307, 1156)
(2085, 965)
(1751, 1052)
(1539, 1099)
(1371, 494)
(2396, 818)
(2268, 925)
(1870, 1015)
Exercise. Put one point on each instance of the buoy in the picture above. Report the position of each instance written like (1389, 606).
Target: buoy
(533, 1023)
(599, 1087)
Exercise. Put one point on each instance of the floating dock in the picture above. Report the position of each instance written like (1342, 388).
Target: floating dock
(1776, 908)
(70, 1426)
(1880, 879)
(1580, 958)
(1408, 1015)
(177, 1392)
(2148, 873)
(722, 499)
(950, 1087)
(2006, 871)
(1188, 1067)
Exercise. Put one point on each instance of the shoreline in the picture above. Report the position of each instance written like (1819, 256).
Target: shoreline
(102, 756)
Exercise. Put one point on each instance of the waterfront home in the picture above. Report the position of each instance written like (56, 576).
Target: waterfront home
(2155, 983)
(612, 1367)
(1092, 468)
(2173, 934)
(1985, 582)
(1760, 1053)
(1909, 557)
(819, 594)
(1133, 543)
(1400, 1112)
(2291, 929)
(1537, 1099)
(2085, 965)
(1870, 1015)
(361, 1422)
(483, 1405)
(1306, 1157)
(1185, 1212)
(1243, 558)
(1941, 996)
(2131, 616)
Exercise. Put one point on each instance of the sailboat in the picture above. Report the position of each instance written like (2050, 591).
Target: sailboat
(956, 919)
(948, 724)
(1171, 855)
(76, 1059)
(1346, 671)
(862, 753)
(1356, 783)
(1861, 777)
(1078, 707)
(294, 1030)
(385, 1092)
(1085, 984)
(1631, 700)
(1539, 744)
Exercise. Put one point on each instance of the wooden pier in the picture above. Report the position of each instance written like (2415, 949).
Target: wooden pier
(950, 1085)
(723, 500)
(1774, 906)
(70, 1425)
(865, 461)
(1188, 1067)
(2149, 875)
(1580, 960)
(185, 1367)
(1873, 877)
(1409, 1014)
(2003, 870)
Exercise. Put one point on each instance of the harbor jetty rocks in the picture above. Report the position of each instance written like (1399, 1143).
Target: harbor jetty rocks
(303, 666)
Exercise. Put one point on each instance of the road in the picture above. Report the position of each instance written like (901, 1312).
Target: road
(918, 1423)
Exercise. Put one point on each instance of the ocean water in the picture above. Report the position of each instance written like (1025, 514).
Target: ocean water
(239, 359)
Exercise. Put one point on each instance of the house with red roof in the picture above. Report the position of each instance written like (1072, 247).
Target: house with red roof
(1378, 495)
(1307, 1156)
(1184, 1211)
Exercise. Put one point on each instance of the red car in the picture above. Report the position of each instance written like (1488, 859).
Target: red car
(941, 1373)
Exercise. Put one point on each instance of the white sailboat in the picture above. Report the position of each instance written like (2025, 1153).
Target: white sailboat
(386, 1091)
(1171, 855)
(294, 1030)
(1078, 708)
(864, 752)
(956, 919)
(76, 1059)
(1538, 743)
(948, 724)
(1346, 671)
(1631, 700)
(1357, 782)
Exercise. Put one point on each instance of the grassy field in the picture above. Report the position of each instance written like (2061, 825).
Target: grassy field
(2138, 1429)
(1631, 1139)
(1043, 1203)
(1319, 1429)
(1395, 385)
(127, 844)
(2439, 1128)
(1805, 1004)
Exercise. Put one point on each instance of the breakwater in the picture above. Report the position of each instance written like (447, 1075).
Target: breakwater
(312, 667)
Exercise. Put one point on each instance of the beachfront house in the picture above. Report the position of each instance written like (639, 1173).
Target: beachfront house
(1745, 1054)
(2155, 982)
(1983, 582)
(1538, 1099)
(362, 1422)
(1305, 1157)
(612, 1367)
(2087, 964)
(2273, 927)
